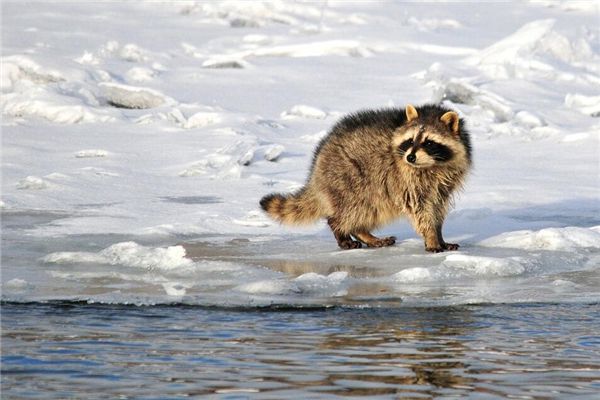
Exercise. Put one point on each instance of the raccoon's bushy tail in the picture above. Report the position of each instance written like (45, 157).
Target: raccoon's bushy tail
(292, 209)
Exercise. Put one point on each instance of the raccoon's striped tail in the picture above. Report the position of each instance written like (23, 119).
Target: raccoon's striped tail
(292, 209)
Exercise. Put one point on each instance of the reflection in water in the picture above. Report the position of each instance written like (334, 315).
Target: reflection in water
(534, 351)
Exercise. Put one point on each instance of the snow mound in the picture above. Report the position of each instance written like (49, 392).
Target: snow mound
(589, 105)
(461, 266)
(19, 284)
(461, 92)
(217, 166)
(225, 62)
(273, 152)
(563, 239)
(433, 24)
(16, 69)
(485, 265)
(32, 183)
(202, 119)
(140, 74)
(255, 219)
(351, 48)
(531, 50)
(125, 96)
(346, 48)
(304, 111)
(332, 285)
(129, 254)
(415, 274)
(50, 107)
(91, 153)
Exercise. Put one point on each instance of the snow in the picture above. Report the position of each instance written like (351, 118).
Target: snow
(565, 239)
(125, 96)
(134, 153)
(129, 254)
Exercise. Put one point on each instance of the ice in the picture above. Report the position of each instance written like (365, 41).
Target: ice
(434, 24)
(589, 105)
(126, 96)
(485, 265)
(23, 106)
(273, 152)
(334, 284)
(19, 284)
(304, 111)
(18, 69)
(564, 239)
(140, 74)
(32, 183)
(415, 274)
(129, 254)
(202, 119)
(91, 153)
(255, 219)
(516, 45)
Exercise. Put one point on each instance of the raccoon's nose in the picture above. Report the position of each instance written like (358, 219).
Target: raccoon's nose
(411, 158)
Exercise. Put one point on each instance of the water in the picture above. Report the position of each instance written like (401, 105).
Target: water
(77, 350)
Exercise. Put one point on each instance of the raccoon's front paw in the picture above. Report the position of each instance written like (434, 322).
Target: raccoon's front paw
(350, 244)
(451, 246)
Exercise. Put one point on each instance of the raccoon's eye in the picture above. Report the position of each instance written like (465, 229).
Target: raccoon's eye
(428, 143)
(407, 144)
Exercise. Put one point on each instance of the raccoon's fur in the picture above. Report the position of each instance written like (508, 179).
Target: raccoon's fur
(377, 165)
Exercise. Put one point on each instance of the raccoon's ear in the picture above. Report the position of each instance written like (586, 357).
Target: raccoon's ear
(411, 113)
(451, 120)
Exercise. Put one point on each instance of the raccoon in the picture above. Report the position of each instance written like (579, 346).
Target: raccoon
(375, 166)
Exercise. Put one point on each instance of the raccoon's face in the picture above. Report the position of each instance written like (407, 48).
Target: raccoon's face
(422, 148)
(424, 145)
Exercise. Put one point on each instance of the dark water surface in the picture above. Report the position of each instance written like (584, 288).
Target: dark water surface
(79, 350)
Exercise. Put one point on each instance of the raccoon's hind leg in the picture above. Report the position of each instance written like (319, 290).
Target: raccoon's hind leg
(344, 240)
(373, 241)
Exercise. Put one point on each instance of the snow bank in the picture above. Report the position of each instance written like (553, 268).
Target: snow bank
(273, 152)
(202, 119)
(91, 153)
(332, 285)
(125, 96)
(487, 266)
(348, 48)
(463, 266)
(129, 254)
(531, 50)
(589, 105)
(17, 69)
(564, 239)
(304, 111)
(32, 183)
(461, 92)
(51, 108)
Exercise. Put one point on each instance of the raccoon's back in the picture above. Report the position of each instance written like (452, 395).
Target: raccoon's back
(362, 134)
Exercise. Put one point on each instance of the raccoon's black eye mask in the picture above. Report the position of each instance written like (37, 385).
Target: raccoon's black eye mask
(404, 146)
(437, 151)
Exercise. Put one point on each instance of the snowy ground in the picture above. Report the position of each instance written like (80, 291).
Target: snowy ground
(138, 137)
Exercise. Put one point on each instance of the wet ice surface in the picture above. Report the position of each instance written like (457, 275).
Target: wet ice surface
(544, 265)
(499, 351)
